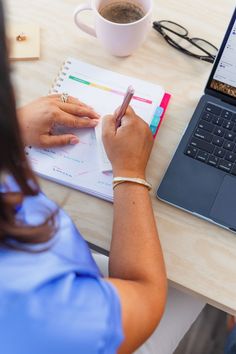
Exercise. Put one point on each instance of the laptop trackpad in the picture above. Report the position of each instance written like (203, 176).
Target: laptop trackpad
(223, 210)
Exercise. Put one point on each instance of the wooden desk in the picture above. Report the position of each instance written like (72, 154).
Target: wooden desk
(200, 257)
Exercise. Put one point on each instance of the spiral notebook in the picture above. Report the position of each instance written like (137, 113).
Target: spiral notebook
(79, 166)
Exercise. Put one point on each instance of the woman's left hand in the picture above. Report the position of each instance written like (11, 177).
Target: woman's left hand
(38, 119)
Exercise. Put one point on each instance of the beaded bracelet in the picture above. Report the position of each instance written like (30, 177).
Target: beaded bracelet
(119, 180)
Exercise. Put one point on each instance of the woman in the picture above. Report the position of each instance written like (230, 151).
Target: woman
(53, 298)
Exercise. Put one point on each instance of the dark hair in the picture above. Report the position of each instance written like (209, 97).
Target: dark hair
(13, 160)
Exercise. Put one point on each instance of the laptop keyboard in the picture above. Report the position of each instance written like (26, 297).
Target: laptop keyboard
(214, 139)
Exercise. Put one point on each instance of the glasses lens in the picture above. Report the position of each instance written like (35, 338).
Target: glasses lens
(208, 47)
(194, 49)
(171, 26)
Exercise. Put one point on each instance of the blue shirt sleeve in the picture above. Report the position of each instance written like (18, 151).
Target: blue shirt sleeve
(55, 300)
(72, 314)
(115, 334)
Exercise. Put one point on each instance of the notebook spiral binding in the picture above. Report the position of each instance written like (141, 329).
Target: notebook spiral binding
(55, 88)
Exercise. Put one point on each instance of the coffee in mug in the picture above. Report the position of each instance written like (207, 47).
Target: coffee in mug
(122, 12)
(120, 25)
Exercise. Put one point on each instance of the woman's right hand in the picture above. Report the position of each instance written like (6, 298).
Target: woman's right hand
(129, 147)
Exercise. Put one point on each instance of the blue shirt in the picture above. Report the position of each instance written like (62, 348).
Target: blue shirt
(55, 301)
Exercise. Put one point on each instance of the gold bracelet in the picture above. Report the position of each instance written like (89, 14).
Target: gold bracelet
(119, 180)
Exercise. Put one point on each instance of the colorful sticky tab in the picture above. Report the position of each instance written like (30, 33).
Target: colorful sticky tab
(156, 119)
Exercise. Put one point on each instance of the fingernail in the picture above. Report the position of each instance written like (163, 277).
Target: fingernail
(74, 141)
(94, 122)
(97, 116)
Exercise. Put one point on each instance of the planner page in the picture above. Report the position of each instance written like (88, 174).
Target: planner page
(104, 90)
(74, 166)
(82, 166)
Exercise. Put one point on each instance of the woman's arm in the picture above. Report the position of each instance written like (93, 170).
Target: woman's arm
(136, 265)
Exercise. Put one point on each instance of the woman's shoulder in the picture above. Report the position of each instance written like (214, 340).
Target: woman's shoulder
(57, 284)
(66, 243)
(71, 313)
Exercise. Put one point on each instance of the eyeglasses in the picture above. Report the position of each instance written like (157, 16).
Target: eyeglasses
(177, 37)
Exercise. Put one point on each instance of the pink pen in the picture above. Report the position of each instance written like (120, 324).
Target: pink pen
(128, 97)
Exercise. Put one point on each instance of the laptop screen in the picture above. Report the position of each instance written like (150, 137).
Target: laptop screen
(223, 76)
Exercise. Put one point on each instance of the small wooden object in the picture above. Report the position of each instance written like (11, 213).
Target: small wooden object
(24, 41)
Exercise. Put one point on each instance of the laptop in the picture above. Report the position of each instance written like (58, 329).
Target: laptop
(201, 177)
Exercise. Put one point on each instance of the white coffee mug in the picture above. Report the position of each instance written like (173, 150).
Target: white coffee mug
(120, 39)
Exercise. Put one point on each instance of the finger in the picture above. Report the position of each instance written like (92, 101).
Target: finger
(58, 140)
(70, 99)
(80, 111)
(129, 111)
(108, 125)
(71, 121)
(128, 116)
(127, 119)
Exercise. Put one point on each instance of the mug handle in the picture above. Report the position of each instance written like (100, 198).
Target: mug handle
(80, 24)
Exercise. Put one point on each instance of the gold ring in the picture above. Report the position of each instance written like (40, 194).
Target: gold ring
(64, 97)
